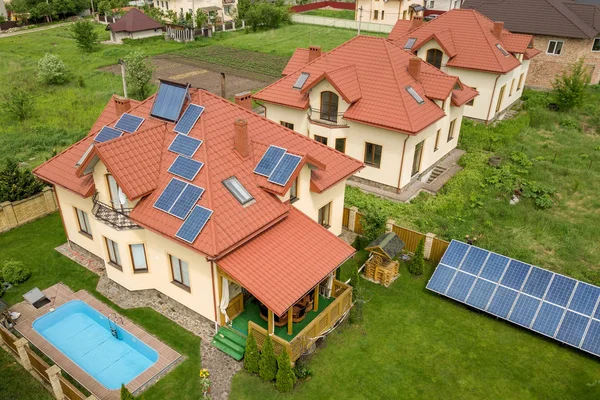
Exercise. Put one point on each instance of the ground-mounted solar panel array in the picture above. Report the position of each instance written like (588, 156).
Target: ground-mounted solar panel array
(189, 119)
(107, 133)
(548, 303)
(129, 123)
(277, 165)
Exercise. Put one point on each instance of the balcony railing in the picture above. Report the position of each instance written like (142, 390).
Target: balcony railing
(326, 118)
(118, 219)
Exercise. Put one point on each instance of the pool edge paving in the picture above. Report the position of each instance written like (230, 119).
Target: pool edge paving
(61, 294)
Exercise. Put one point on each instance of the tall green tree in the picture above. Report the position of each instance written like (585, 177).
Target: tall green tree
(252, 355)
(285, 378)
(138, 73)
(417, 263)
(268, 362)
(19, 103)
(85, 35)
(17, 183)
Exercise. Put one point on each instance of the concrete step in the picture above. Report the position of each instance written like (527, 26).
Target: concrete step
(437, 171)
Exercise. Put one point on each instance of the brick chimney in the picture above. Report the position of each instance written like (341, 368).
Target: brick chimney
(415, 23)
(414, 67)
(122, 105)
(314, 52)
(497, 31)
(241, 137)
(244, 100)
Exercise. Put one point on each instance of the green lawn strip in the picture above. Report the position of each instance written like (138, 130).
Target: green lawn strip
(34, 244)
(18, 384)
(341, 14)
(416, 344)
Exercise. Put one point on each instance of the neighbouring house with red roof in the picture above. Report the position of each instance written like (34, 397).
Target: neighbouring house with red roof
(134, 25)
(376, 102)
(222, 210)
(481, 52)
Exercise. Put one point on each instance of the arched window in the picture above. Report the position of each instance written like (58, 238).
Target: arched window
(434, 57)
(329, 106)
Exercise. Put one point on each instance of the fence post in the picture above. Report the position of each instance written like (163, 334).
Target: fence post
(428, 244)
(49, 199)
(53, 374)
(352, 214)
(22, 344)
(389, 226)
(9, 211)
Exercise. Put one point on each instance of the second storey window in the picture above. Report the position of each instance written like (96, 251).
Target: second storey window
(340, 145)
(181, 275)
(138, 257)
(520, 85)
(114, 257)
(596, 45)
(288, 125)
(117, 197)
(554, 47)
(84, 223)
(373, 154)
(321, 139)
(434, 57)
(329, 106)
(437, 140)
(294, 191)
(324, 215)
(375, 14)
(451, 130)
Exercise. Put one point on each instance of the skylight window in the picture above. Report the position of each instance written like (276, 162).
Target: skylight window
(301, 80)
(415, 95)
(410, 43)
(238, 190)
(502, 50)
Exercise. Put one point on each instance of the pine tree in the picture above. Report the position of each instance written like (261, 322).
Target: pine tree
(268, 363)
(285, 375)
(126, 394)
(417, 263)
(252, 355)
(16, 183)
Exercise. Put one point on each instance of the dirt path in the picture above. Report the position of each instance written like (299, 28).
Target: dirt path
(25, 31)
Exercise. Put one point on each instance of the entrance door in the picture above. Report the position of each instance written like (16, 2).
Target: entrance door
(417, 159)
(500, 98)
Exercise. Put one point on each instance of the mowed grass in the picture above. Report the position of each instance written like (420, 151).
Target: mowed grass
(34, 244)
(414, 344)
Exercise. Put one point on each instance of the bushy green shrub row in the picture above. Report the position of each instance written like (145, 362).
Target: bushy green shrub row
(267, 365)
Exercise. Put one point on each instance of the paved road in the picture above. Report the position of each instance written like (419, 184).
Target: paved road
(23, 32)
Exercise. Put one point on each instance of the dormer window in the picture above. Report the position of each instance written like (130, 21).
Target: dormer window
(118, 199)
(410, 43)
(434, 57)
(238, 190)
(329, 106)
(301, 80)
(504, 52)
(415, 95)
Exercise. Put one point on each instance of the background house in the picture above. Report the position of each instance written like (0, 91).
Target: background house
(134, 25)
(481, 52)
(438, 7)
(563, 31)
(388, 11)
(3, 9)
(224, 8)
(373, 101)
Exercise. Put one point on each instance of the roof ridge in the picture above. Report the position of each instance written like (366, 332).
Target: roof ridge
(487, 38)
(387, 51)
(562, 10)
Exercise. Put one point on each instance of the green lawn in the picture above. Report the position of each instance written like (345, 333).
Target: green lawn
(49, 267)
(18, 384)
(342, 14)
(414, 344)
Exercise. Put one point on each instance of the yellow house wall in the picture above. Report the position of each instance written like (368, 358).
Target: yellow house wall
(394, 10)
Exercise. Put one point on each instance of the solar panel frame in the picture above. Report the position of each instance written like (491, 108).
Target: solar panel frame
(127, 123)
(190, 116)
(269, 160)
(169, 101)
(193, 224)
(186, 201)
(185, 145)
(574, 324)
(107, 133)
(285, 169)
(170, 194)
(186, 167)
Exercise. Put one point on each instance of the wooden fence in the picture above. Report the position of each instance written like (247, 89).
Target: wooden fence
(51, 376)
(17, 213)
(434, 248)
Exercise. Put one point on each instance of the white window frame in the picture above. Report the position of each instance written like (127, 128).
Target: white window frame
(114, 257)
(142, 262)
(555, 42)
(179, 278)
(83, 222)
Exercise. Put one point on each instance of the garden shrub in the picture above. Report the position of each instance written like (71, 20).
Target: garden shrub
(268, 362)
(252, 355)
(139, 73)
(569, 122)
(266, 15)
(301, 370)
(85, 35)
(569, 86)
(17, 183)
(285, 378)
(373, 223)
(19, 103)
(14, 272)
(535, 98)
(417, 263)
(52, 70)
(126, 394)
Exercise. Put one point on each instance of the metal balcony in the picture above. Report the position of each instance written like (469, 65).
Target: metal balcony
(118, 219)
(325, 118)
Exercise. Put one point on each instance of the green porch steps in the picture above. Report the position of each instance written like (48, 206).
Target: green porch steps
(230, 343)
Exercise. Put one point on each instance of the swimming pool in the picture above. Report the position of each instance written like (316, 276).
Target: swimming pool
(83, 334)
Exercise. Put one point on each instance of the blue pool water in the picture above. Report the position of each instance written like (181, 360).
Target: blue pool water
(83, 335)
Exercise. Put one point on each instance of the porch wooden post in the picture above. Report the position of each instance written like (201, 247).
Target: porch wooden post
(271, 322)
(220, 285)
(290, 320)
(316, 307)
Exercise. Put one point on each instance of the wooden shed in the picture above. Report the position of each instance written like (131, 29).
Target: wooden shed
(381, 266)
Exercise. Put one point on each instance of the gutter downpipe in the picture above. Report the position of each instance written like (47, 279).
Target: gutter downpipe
(402, 164)
(492, 101)
(212, 275)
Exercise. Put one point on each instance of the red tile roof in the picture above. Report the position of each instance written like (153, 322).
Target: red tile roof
(285, 262)
(371, 74)
(134, 21)
(298, 60)
(466, 37)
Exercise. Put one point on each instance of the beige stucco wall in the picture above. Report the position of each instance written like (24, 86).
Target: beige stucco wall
(118, 37)
(545, 67)
(393, 10)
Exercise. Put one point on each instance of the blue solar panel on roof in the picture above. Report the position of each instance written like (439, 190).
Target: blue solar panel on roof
(107, 133)
(185, 145)
(284, 169)
(129, 123)
(189, 119)
(190, 196)
(170, 194)
(169, 101)
(193, 224)
(269, 161)
(551, 304)
(185, 167)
